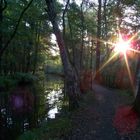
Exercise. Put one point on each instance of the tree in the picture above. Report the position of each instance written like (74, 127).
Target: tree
(72, 84)
(26, 48)
(98, 39)
(3, 48)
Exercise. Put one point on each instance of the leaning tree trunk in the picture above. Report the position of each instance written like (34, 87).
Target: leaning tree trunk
(72, 84)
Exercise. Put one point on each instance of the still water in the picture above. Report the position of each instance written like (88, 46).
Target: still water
(53, 96)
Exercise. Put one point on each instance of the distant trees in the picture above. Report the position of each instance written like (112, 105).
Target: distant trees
(98, 45)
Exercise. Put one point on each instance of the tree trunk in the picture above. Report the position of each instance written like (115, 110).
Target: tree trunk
(72, 84)
(98, 39)
(36, 48)
(82, 36)
(64, 30)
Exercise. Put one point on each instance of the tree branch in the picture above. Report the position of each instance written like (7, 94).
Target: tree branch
(16, 28)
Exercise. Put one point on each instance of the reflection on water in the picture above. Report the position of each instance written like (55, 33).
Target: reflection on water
(53, 99)
(54, 96)
(52, 112)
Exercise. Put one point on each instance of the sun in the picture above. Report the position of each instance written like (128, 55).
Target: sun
(122, 46)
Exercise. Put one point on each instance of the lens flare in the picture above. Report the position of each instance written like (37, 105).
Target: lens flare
(129, 73)
(122, 46)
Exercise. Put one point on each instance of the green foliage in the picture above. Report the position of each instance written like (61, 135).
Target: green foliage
(7, 83)
(26, 51)
(90, 24)
(75, 21)
(25, 77)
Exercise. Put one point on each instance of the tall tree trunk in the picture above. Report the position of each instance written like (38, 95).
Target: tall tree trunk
(106, 28)
(91, 62)
(72, 86)
(98, 39)
(72, 43)
(36, 48)
(28, 57)
(64, 29)
(63, 17)
(82, 36)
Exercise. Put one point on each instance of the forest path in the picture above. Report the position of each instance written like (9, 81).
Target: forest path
(94, 121)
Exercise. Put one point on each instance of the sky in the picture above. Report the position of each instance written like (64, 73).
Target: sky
(79, 1)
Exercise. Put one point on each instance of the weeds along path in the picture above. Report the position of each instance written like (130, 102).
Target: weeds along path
(94, 120)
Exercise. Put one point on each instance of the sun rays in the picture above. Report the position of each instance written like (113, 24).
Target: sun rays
(129, 72)
(121, 46)
(108, 61)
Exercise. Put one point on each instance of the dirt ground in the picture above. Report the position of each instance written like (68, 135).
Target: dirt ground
(97, 117)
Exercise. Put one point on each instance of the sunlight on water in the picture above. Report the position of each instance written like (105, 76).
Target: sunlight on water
(52, 112)
(53, 99)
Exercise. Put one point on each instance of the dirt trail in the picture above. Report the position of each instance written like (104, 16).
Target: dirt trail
(95, 120)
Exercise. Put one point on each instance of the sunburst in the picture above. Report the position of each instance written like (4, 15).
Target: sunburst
(121, 47)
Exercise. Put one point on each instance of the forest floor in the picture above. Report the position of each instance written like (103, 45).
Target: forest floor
(97, 117)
